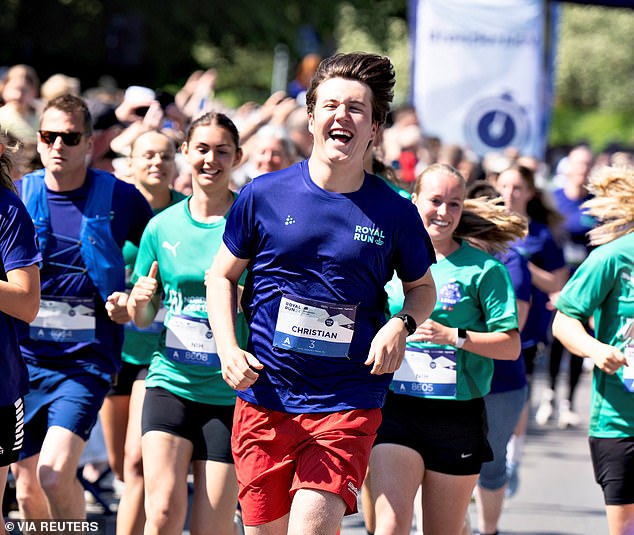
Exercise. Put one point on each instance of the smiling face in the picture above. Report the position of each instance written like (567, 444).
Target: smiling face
(341, 123)
(152, 161)
(440, 200)
(212, 154)
(270, 155)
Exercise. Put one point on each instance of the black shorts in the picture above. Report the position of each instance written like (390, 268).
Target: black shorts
(207, 427)
(123, 381)
(613, 463)
(11, 432)
(450, 435)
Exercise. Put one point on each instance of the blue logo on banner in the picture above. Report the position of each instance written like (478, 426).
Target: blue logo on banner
(494, 123)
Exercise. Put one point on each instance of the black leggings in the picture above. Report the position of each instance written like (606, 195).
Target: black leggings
(576, 367)
(529, 354)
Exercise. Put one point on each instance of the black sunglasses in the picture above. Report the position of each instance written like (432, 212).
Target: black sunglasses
(69, 138)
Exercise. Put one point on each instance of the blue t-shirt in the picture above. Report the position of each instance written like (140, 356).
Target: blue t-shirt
(577, 222)
(63, 274)
(511, 374)
(540, 248)
(18, 249)
(307, 244)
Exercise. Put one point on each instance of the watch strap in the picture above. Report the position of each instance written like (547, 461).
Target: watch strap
(409, 321)
(462, 337)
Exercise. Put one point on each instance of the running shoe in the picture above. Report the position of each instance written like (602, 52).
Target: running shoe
(513, 479)
(567, 417)
(545, 409)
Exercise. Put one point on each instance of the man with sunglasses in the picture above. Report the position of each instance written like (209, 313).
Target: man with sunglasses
(83, 217)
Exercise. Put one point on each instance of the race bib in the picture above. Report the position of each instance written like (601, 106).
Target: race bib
(314, 327)
(190, 341)
(427, 372)
(64, 319)
(628, 371)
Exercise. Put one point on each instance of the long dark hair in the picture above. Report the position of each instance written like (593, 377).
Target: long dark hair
(539, 208)
(215, 119)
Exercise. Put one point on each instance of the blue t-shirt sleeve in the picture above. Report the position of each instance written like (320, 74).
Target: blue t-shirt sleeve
(18, 244)
(552, 256)
(132, 213)
(239, 235)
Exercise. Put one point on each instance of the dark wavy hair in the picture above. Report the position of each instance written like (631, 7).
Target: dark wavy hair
(215, 119)
(540, 208)
(377, 72)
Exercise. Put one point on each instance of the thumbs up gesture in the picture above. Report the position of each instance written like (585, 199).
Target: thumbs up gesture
(145, 287)
(140, 306)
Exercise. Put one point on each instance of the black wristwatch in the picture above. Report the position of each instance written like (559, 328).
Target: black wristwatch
(409, 321)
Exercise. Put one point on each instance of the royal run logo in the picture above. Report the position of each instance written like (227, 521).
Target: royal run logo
(369, 235)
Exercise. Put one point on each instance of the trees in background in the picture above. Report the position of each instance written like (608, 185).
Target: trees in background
(595, 77)
(160, 43)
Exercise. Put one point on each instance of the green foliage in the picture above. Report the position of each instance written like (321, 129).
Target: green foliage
(596, 58)
(600, 128)
(391, 40)
(376, 17)
(160, 43)
(245, 75)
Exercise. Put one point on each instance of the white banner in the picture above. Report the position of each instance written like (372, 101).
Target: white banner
(479, 78)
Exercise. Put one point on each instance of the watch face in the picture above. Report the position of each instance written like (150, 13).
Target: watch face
(410, 323)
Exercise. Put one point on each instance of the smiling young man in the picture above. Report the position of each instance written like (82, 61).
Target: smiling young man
(320, 240)
(82, 218)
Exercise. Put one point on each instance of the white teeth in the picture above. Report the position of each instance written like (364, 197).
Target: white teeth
(440, 223)
(340, 132)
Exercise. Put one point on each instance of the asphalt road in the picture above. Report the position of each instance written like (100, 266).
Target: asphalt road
(557, 493)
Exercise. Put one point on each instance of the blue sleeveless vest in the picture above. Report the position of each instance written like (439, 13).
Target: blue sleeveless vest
(100, 252)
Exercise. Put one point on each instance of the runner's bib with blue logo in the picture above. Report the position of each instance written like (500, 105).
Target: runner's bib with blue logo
(427, 372)
(64, 319)
(314, 327)
(189, 340)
